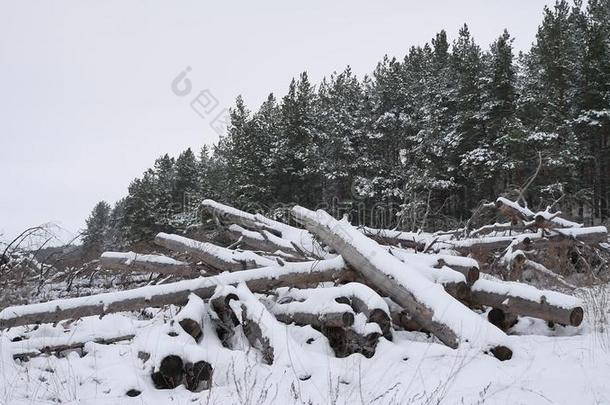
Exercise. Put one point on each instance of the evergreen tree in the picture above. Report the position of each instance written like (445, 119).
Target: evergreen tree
(296, 148)
(186, 185)
(437, 132)
(140, 203)
(95, 235)
(117, 235)
(467, 128)
(266, 131)
(340, 125)
(164, 199)
(592, 121)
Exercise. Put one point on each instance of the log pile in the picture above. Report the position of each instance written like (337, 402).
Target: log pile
(354, 286)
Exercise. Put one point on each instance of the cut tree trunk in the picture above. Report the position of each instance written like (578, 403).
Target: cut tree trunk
(433, 308)
(217, 257)
(329, 319)
(525, 300)
(131, 261)
(264, 241)
(528, 241)
(263, 279)
(302, 241)
(190, 317)
(227, 215)
(453, 281)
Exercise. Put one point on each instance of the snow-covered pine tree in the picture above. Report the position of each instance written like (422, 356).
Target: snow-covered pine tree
(186, 186)
(296, 148)
(140, 205)
(467, 129)
(164, 190)
(265, 127)
(340, 125)
(95, 235)
(592, 123)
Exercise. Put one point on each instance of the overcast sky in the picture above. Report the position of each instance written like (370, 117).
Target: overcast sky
(86, 102)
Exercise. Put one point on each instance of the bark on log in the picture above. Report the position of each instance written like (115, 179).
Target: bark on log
(528, 241)
(429, 304)
(453, 281)
(229, 215)
(357, 296)
(471, 273)
(198, 375)
(217, 257)
(329, 319)
(131, 261)
(263, 279)
(302, 241)
(264, 241)
(525, 300)
(254, 333)
(225, 319)
(410, 240)
(233, 306)
(406, 321)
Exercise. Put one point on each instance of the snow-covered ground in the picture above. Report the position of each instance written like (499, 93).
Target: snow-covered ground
(563, 365)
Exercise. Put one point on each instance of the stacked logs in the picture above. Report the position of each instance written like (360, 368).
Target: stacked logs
(354, 286)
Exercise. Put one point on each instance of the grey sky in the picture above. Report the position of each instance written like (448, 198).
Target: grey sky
(85, 98)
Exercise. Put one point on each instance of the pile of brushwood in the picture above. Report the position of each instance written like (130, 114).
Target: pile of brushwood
(353, 285)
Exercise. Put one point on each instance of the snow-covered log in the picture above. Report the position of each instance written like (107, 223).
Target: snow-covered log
(264, 241)
(311, 312)
(222, 314)
(260, 327)
(351, 298)
(497, 227)
(455, 283)
(542, 219)
(227, 215)
(262, 279)
(29, 348)
(298, 238)
(556, 237)
(217, 257)
(525, 300)
(589, 236)
(190, 317)
(318, 321)
(130, 261)
(428, 303)
(410, 240)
